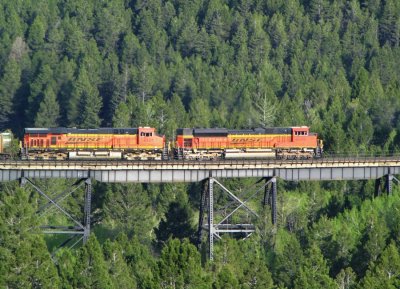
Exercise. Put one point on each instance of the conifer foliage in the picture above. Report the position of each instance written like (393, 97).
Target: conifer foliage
(330, 65)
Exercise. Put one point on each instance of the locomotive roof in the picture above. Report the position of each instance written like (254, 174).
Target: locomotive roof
(262, 130)
(64, 130)
(225, 132)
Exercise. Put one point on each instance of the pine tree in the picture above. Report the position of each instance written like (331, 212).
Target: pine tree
(259, 45)
(180, 266)
(112, 19)
(9, 84)
(389, 23)
(288, 258)
(257, 275)
(49, 110)
(25, 260)
(265, 110)
(118, 269)
(37, 33)
(141, 262)
(122, 116)
(226, 279)
(314, 273)
(177, 222)
(199, 113)
(127, 207)
(346, 279)
(85, 102)
(386, 272)
(91, 268)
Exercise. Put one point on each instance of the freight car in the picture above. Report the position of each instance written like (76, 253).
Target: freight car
(274, 142)
(5, 145)
(142, 143)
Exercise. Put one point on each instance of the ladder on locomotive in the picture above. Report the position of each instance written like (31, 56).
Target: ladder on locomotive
(165, 152)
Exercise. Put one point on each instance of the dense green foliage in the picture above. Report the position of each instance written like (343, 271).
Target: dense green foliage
(358, 248)
(331, 65)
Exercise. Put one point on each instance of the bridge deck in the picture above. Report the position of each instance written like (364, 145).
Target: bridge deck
(193, 171)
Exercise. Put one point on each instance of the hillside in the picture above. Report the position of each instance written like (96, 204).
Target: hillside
(330, 65)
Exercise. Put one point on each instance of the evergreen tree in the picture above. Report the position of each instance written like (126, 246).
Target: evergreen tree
(118, 269)
(180, 266)
(389, 24)
(346, 279)
(199, 113)
(37, 33)
(122, 117)
(288, 259)
(43, 82)
(128, 208)
(226, 279)
(385, 273)
(177, 222)
(49, 110)
(85, 102)
(9, 84)
(111, 21)
(259, 45)
(314, 273)
(257, 276)
(26, 262)
(91, 268)
(66, 260)
(141, 261)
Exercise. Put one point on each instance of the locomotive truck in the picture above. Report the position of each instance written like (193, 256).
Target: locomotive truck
(143, 143)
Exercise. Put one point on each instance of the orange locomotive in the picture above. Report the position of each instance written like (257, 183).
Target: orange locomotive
(103, 143)
(143, 143)
(274, 142)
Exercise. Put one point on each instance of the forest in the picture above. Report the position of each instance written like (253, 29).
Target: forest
(330, 65)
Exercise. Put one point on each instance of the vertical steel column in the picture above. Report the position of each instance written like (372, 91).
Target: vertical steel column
(273, 201)
(203, 199)
(378, 187)
(22, 181)
(389, 181)
(87, 209)
(267, 189)
(211, 216)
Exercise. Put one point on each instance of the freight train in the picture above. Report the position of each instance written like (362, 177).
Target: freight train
(143, 143)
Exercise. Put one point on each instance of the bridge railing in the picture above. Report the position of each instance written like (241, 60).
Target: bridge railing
(328, 157)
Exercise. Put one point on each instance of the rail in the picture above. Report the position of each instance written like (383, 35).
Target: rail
(338, 158)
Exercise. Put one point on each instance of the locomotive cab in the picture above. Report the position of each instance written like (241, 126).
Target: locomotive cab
(300, 132)
(145, 135)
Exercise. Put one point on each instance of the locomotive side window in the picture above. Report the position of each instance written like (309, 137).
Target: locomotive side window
(300, 133)
(53, 140)
(146, 134)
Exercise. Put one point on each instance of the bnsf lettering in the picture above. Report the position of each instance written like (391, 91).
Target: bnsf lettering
(82, 139)
(241, 140)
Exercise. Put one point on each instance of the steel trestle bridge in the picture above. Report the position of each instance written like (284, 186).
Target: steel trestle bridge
(210, 173)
